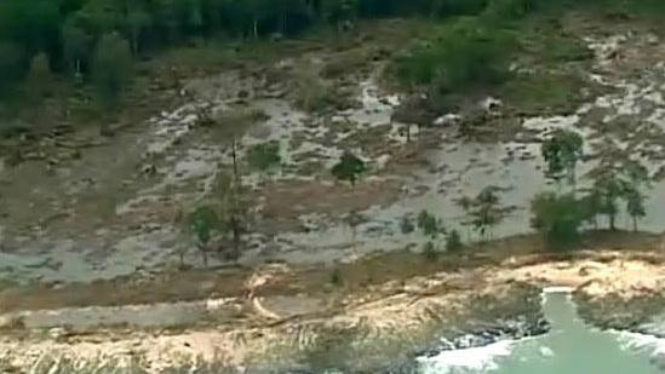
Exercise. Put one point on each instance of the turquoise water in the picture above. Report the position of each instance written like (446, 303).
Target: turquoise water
(570, 348)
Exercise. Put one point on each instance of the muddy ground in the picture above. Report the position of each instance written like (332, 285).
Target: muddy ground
(117, 208)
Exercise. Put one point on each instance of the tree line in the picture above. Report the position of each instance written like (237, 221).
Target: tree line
(68, 33)
(70, 37)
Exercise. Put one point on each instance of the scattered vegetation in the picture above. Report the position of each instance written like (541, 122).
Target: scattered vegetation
(560, 217)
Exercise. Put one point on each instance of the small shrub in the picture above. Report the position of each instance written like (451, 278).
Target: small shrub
(428, 223)
(264, 156)
(349, 168)
(454, 241)
(336, 277)
(202, 222)
(406, 226)
(430, 251)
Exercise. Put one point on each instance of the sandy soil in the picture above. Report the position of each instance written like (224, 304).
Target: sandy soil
(627, 275)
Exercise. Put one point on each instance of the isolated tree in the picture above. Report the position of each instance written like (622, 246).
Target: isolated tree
(487, 211)
(635, 206)
(557, 218)
(611, 188)
(349, 168)
(637, 178)
(233, 209)
(562, 151)
(202, 222)
(112, 71)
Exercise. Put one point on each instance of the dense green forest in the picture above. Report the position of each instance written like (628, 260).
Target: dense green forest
(69, 31)
(99, 39)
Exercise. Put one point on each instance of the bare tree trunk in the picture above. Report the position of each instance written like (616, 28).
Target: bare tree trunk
(634, 224)
(235, 221)
(235, 161)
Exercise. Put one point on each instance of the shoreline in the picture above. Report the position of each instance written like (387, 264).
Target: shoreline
(389, 321)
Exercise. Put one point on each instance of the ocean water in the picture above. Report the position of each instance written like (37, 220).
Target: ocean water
(570, 348)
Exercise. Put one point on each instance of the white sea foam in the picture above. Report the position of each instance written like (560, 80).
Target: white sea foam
(478, 359)
(546, 351)
(557, 289)
(636, 342)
